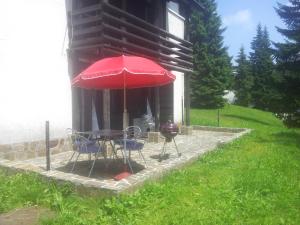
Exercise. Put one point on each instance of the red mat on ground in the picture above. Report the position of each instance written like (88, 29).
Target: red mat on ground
(122, 175)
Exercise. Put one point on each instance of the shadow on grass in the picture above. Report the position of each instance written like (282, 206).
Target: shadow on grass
(288, 138)
(245, 118)
(285, 138)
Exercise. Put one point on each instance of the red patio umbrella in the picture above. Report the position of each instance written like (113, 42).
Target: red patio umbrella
(123, 72)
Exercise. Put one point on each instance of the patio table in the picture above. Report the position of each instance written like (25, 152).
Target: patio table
(106, 135)
(110, 135)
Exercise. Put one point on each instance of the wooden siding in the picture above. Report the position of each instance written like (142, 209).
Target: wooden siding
(104, 28)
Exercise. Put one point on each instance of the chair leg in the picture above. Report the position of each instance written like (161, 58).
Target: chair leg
(130, 167)
(71, 157)
(122, 153)
(114, 152)
(75, 163)
(128, 162)
(141, 155)
(96, 157)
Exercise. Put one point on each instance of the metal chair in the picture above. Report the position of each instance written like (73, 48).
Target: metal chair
(83, 145)
(133, 141)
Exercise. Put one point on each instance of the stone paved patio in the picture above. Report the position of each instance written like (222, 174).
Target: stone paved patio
(203, 139)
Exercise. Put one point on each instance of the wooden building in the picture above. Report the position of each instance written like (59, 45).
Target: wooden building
(155, 29)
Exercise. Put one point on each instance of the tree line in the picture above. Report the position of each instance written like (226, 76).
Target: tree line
(268, 78)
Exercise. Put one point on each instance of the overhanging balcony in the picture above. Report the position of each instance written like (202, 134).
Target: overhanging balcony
(103, 29)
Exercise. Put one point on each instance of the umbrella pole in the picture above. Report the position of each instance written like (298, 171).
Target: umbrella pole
(125, 125)
(125, 113)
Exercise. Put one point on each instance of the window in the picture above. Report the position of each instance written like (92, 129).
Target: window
(174, 6)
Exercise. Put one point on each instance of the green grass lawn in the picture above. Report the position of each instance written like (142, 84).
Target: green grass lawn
(254, 180)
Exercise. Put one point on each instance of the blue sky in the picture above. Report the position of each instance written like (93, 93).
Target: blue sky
(241, 18)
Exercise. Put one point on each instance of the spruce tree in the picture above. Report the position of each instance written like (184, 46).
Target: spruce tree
(243, 81)
(262, 69)
(288, 62)
(212, 66)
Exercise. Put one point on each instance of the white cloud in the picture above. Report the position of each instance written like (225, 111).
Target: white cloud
(239, 18)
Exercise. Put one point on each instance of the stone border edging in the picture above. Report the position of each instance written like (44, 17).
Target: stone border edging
(85, 185)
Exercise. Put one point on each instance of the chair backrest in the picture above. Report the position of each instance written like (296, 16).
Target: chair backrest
(133, 132)
(71, 133)
(77, 139)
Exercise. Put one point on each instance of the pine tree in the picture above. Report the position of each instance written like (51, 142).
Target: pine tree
(212, 66)
(288, 60)
(243, 80)
(262, 68)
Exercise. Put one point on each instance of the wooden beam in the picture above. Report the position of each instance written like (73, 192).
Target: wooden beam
(118, 51)
(107, 17)
(147, 41)
(86, 20)
(177, 68)
(89, 30)
(91, 47)
(145, 24)
(146, 50)
(87, 9)
(85, 41)
(165, 64)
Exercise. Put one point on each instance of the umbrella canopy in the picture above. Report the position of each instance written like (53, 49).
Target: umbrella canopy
(123, 72)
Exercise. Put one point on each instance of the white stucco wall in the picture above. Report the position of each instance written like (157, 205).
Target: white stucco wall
(34, 83)
(175, 26)
(178, 97)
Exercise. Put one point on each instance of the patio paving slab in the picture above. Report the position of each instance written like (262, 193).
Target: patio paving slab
(191, 146)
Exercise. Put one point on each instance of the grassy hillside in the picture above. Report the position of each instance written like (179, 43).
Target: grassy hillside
(254, 180)
(236, 116)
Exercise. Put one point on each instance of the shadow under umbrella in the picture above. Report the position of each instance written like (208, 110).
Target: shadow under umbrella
(103, 169)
